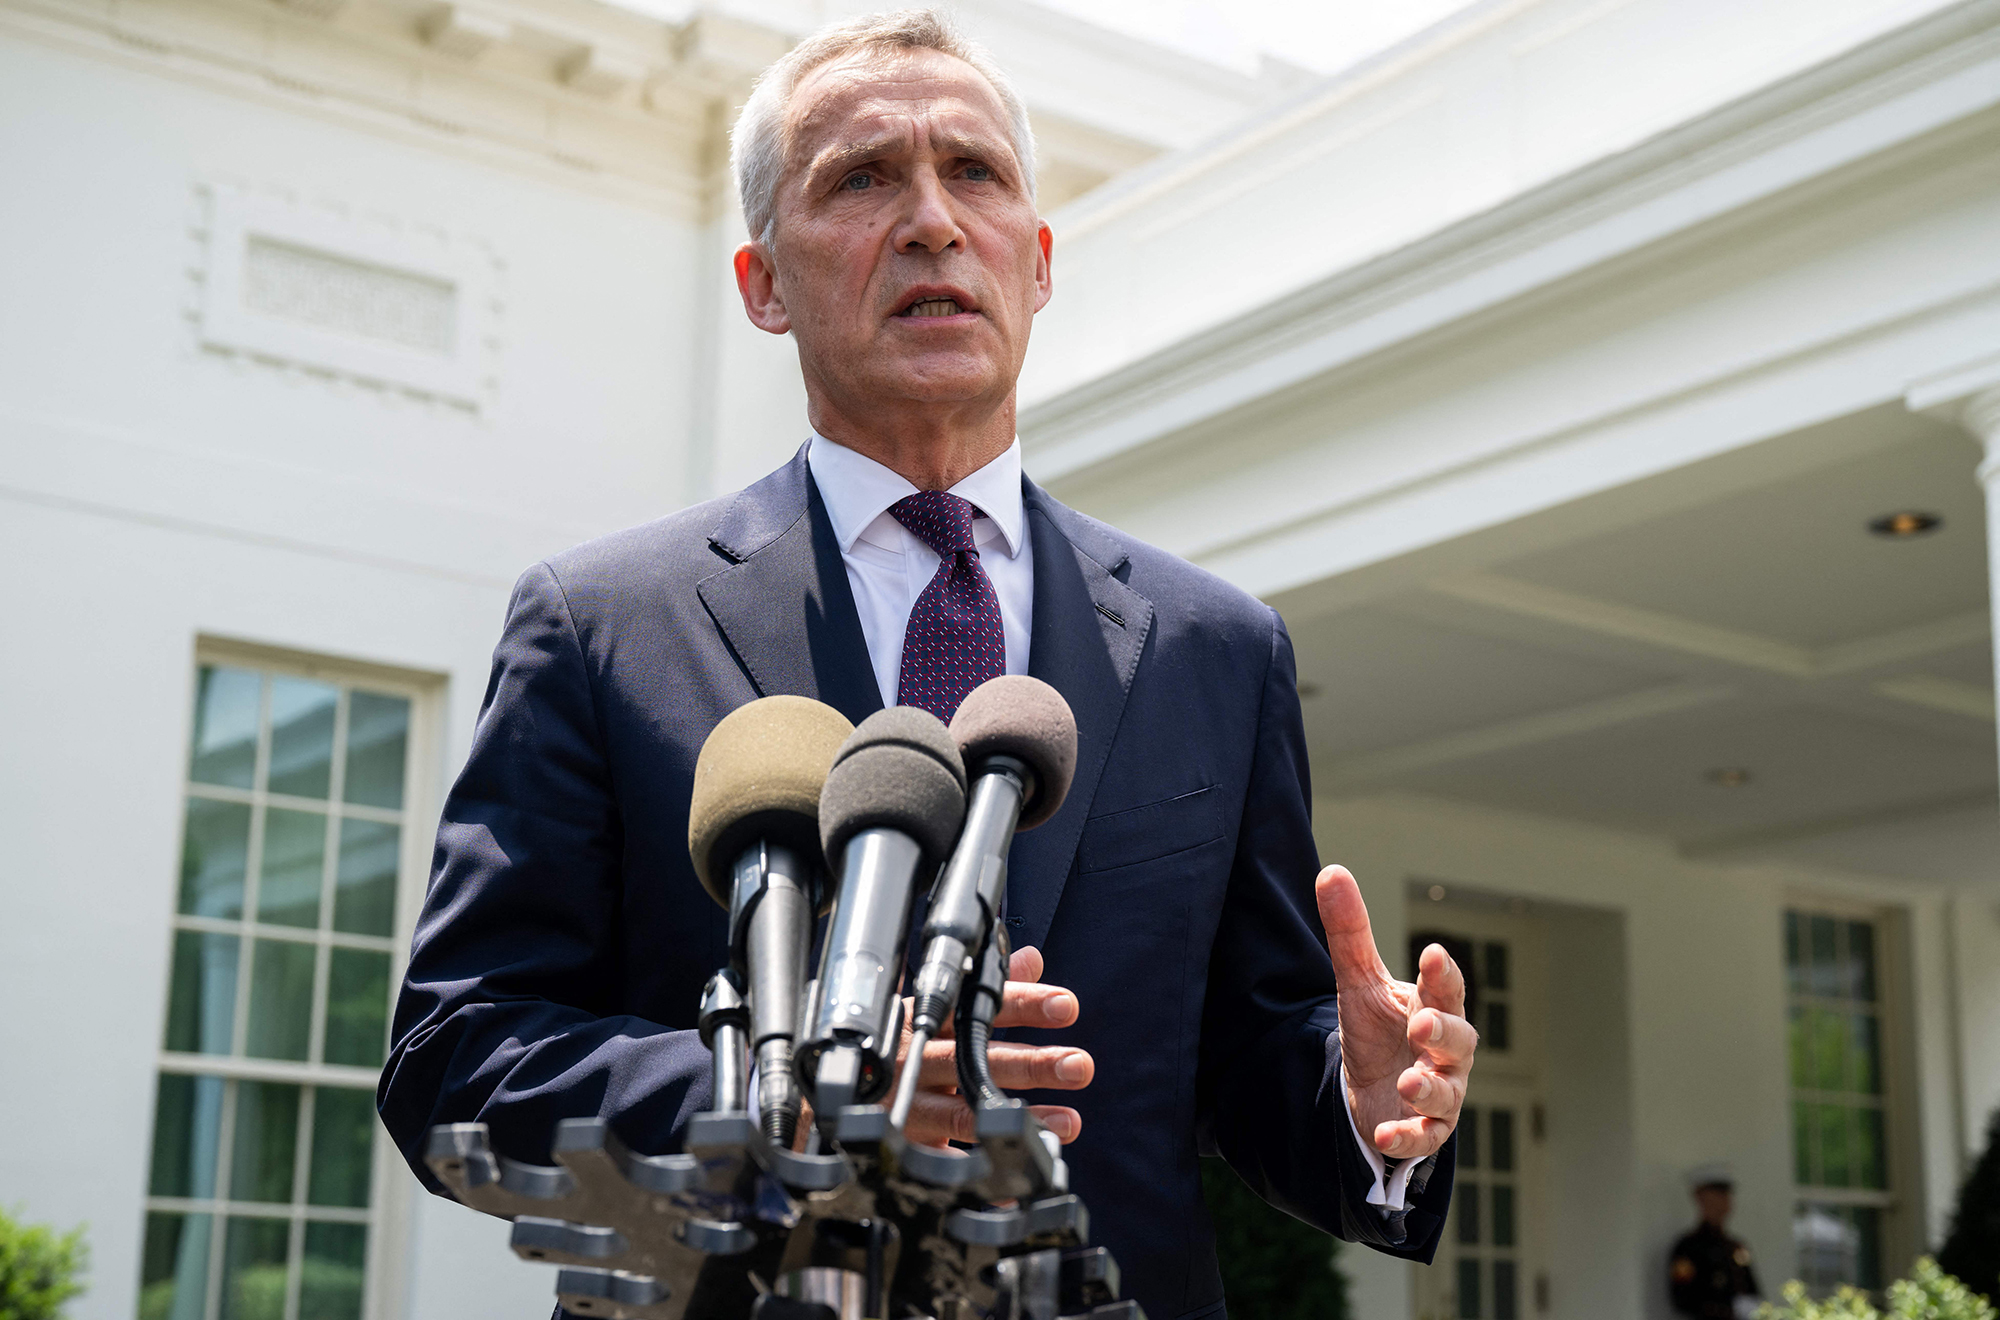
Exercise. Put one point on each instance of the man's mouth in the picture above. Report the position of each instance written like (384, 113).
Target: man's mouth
(929, 307)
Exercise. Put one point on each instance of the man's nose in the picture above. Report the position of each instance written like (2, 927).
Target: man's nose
(929, 223)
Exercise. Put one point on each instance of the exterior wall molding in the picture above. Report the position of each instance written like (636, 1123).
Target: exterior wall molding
(1888, 94)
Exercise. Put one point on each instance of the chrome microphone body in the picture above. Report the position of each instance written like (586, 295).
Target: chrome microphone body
(891, 809)
(753, 836)
(1017, 737)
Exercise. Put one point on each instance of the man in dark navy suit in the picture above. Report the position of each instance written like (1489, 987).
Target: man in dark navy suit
(1183, 985)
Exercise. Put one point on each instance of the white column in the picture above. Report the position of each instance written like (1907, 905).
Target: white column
(1980, 415)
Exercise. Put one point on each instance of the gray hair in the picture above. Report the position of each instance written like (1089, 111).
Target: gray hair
(759, 141)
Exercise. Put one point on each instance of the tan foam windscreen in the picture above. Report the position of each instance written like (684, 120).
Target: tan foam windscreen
(759, 777)
(1015, 715)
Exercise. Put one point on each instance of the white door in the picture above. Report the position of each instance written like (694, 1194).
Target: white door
(1491, 1264)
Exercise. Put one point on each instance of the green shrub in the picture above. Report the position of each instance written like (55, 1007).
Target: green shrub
(1972, 1249)
(1273, 1266)
(1928, 1294)
(38, 1269)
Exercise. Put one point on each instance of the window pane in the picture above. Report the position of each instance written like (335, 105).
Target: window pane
(201, 1005)
(343, 1140)
(1829, 1048)
(378, 727)
(1871, 1160)
(173, 1269)
(225, 727)
(1826, 1245)
(1505, 1293)
(365, 901)
(301, 736)
(1867, 1221)
(294, 860)
(1468, 1290)
(1833, 1152)
(253, 1278)
(1465, 1201)
(1468, 1138)
(1824, 978)
(267, 1140)
(1795, 975)
(1503, 1216)
(334, 1266)
(1861, 960)
(214, 847)
(1496, 966)
(1867, 1055)
(1803, 1172)
(1499, 1029)
(281, 983)
(187, 1128)
(1801, 1046)
(357, 1008)
(1503, 1139)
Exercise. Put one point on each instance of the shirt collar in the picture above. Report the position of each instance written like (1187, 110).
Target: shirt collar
(858, 490)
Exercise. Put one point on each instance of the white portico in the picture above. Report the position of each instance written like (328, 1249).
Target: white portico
(1561, 463)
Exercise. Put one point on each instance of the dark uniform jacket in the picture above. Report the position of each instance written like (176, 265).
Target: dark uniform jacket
(1707, 1272)
(559, 960)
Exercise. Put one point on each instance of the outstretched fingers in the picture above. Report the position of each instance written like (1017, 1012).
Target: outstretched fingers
(1440, 982)
(1350, 940)
(936, 1119)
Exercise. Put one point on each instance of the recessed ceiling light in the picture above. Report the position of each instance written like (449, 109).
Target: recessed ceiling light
(1905, 522)
(1437, 893)
(1729, 776)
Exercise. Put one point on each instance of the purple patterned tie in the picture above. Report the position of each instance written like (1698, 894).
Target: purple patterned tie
(955, 640)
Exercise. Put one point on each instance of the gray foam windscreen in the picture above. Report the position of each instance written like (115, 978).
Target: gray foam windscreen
(759, 776)
(1015, 715)
(899, 770)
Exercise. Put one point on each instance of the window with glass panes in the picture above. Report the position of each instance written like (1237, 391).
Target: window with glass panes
(1840, 1153)
(261, 1204)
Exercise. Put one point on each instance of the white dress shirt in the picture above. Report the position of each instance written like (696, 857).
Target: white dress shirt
(888, 567)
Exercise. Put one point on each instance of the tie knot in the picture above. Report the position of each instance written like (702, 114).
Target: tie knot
(938, 518)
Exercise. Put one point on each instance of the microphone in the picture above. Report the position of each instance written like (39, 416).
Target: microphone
(1018, 740)
(753, 836)
(891, 807)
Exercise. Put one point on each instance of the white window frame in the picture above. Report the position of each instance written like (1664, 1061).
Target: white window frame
(392, 1190)
(1901, 1200)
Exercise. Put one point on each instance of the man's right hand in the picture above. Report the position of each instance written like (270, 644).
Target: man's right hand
(938, 1115)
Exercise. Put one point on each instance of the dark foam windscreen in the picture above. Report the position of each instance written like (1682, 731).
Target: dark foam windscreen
(759, 776)
(1015, 715)
(899, 770)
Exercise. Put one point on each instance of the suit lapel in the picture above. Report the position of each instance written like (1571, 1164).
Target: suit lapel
(784, 604)
(1088, 631)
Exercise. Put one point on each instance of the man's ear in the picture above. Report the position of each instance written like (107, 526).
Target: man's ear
(758, 283)
(1044, 280)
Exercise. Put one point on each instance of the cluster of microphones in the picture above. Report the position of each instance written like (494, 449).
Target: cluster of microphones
(796, 815)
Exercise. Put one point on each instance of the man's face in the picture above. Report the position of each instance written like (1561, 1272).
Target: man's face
(1715, 1203)
(906, 258)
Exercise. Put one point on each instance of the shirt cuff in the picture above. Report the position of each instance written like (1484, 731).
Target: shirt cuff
(1391, 1190)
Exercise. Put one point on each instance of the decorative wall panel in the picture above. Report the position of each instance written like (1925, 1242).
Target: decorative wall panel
(330, 292)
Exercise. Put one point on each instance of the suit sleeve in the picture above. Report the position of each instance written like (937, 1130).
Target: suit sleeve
(1270, 1092)
(508, 1013)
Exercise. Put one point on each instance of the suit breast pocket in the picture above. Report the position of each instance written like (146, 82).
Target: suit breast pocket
(1158, 829)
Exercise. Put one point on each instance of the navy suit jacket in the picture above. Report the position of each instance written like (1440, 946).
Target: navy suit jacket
(560, 956)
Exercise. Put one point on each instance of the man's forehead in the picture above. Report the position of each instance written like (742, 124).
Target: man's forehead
(884, 93)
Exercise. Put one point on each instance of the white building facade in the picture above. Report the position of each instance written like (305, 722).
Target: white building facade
(1547, 372)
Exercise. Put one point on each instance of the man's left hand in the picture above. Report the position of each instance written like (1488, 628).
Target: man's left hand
(1406, 1049)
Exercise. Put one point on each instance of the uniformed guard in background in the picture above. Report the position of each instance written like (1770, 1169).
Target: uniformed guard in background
(1708, 1273)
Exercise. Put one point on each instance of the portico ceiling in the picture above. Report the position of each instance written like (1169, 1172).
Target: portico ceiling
(1621, 678)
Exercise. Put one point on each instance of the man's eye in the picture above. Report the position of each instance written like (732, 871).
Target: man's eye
(979, 173)
(857, 181)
